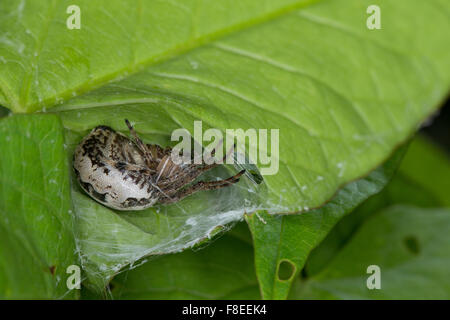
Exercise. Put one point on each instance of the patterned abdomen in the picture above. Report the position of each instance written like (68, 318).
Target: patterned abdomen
(111, 169)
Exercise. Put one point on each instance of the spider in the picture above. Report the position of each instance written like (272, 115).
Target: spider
(126, 174)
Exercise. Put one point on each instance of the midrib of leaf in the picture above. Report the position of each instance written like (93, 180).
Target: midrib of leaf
(22, 102)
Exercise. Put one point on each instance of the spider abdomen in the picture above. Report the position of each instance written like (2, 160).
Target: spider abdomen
(111, 169)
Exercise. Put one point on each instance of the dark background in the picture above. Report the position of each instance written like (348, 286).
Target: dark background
(438, 128)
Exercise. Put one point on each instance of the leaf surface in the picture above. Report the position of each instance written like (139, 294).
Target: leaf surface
(36, 215)
(44, 62)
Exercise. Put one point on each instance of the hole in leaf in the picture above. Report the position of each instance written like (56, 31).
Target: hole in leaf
(412, 244)
(286, 270)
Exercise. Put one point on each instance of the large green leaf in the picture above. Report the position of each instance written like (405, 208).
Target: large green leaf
(42, 61)
(36, 231)
(409, 244)
(282, 243)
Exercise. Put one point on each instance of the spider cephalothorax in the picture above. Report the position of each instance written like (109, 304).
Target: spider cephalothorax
(127, 174)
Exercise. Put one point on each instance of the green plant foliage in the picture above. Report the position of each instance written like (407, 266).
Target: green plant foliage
(409, 189)
(343, 97)
(36, 231)
(409, 244)
(289, 239)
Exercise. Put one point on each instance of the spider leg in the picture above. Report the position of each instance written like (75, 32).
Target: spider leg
(201, 185)
(167, 169)
(185, 175)
(213, 152)
(141, 145)
(175, 178)
(157, 152)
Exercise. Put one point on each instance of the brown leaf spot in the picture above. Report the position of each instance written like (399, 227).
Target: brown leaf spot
(52, 269)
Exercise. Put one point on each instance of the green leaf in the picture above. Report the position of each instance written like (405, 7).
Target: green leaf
(282, 243)
(36, 227)
(409, 244)
(42, 61)
(399, 190)
(223, 270)
(403, 189)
